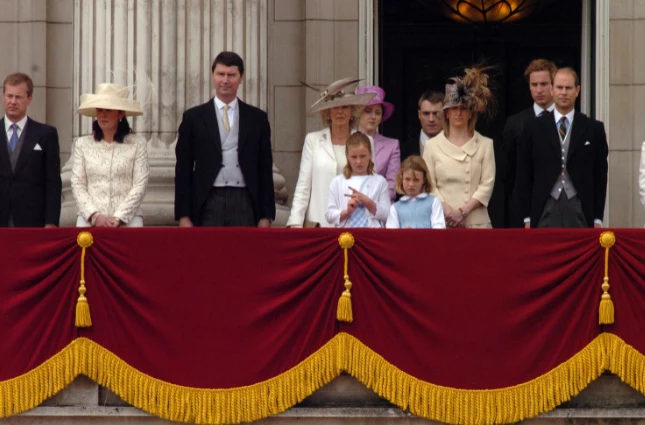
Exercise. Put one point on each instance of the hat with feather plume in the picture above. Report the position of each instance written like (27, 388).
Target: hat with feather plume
(471, 91)
(337, 94)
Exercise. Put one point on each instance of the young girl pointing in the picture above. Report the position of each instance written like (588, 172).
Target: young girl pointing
(358, 198)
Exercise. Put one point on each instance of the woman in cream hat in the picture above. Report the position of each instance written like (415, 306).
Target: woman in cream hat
(460, 160)
(323, 155)
(110, 166)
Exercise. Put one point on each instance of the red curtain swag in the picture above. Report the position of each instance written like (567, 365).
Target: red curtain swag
(231, 325)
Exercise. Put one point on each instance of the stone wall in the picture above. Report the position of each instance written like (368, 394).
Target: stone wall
(627, 113)
(315, 41)
(36, 36)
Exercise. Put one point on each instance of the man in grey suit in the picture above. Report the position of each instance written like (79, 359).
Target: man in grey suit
(224, 171)
(562, 163)
(30, 184)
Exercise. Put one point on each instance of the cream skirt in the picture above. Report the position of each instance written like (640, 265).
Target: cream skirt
(137, 221)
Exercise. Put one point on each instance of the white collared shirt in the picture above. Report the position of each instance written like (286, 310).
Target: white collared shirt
(538, 109)
(423, 138)
(219, 105)
(9, 131)
(557, 115)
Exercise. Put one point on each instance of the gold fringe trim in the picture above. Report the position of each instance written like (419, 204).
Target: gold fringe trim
(212, 406)
(342, 353)
(626, 362)
(476, 407)
(27, 391)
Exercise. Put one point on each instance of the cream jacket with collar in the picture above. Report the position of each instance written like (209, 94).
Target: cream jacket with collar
(461, 173)
(110, 178)
(318, 167)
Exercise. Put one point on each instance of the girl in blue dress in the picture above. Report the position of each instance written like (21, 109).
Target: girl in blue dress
(417, 208)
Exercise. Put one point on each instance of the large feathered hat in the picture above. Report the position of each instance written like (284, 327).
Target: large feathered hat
(336, 95)
(470, 91)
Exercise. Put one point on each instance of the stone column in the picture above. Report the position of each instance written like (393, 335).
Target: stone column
(163, 51)
(621, 82)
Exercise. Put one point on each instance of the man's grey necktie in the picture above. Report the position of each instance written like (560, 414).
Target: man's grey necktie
(13, 142)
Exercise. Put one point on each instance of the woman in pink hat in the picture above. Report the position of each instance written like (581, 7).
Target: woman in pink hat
(388, 153)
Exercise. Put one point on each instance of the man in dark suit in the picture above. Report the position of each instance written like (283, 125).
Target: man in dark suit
(30, 184)
(562, 163)
(224, 170)
(539, 75)
(430, 117)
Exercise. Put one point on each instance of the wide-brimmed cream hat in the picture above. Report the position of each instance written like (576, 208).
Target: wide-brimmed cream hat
(109, 96)
(334, 96)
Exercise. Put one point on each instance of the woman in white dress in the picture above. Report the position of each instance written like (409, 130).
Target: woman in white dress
(110, 166)
(323, 154)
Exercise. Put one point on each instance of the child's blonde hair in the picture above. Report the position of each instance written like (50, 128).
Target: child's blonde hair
(353, 141)
(413, 163)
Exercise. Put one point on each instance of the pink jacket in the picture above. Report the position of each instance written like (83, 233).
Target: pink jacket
(388, 160)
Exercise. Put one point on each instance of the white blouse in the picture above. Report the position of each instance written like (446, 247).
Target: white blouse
(341, 158)
(110, 178)
(375, 188)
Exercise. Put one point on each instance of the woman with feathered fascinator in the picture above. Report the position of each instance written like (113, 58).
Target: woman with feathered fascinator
(460, 160)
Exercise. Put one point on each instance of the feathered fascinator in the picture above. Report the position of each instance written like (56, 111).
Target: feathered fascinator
(472, 91)
(336, 95)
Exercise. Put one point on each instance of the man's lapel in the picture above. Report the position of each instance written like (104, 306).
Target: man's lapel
(5, 162)
(210, 120)
(551, 134)
(242, 125)
(31, 138)
(578, 127)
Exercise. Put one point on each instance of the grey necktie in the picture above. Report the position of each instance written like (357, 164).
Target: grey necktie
(13, 142)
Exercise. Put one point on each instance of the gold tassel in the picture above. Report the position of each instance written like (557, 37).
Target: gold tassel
(344, 311)
(83, 317)
(606, 310)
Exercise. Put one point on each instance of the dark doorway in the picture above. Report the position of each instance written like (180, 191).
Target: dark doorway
(421, 47)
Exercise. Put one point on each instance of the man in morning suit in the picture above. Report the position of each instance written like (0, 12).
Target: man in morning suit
(224, 170)
(430, 117)
(30, 184)
(539, 75)
(562, 163)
